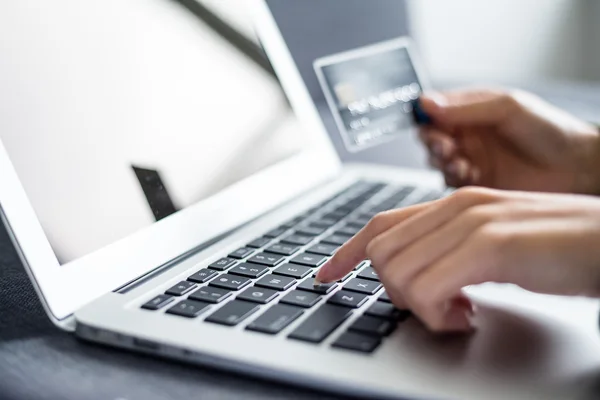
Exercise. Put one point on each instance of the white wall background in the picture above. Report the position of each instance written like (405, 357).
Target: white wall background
(504, 40)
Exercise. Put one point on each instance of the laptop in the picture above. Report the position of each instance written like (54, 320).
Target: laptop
(130, 244)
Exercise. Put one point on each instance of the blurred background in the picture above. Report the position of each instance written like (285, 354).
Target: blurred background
(549, 47)
(516, 41)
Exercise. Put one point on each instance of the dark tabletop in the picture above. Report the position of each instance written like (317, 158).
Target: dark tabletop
(38, 361)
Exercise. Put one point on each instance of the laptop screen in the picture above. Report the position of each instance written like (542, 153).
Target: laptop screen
(362, 89)
(111, 130)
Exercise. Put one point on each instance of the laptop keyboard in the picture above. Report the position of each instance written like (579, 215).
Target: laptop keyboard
(268, 284)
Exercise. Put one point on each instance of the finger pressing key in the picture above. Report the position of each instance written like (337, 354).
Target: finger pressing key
(354, 251)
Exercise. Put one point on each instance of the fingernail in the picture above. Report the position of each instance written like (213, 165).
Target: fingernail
(322, 274)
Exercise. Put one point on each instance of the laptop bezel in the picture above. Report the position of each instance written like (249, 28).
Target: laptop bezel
(65, 288)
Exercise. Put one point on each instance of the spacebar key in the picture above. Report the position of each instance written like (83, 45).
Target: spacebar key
(321, 323)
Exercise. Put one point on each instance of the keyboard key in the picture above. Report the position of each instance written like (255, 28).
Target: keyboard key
(251, 271)
(345, 209)
(257, 295)
(275, 233)
(348, 299)
(363, 286)
(210, 295)
(324, 223)
(308, 285)
(258, 243)
(357, 342)
(230, 282)
(188, 308)
(323, 249)
(275, 319)
(369, 273)
(300, 240)
(292, 223)
(310, 231)
(310, 260)
(276, 282)
(335, 216)
(337, 240)
(357, 222)
(380, 208)
(321, 323)
(270, 260)
(222, 264)
(233, 313)
(181, 288)
(367, 215)
(357, 202)
(385, 298)
(241, 253)
(389, 204)
(347, 231)
(301, 298)
(403, 193)
(158, 302)
(203, 276)
(313, 210)
(434, 195)
(283, 249)
(373, 326)
(387, 311)
(293, 271)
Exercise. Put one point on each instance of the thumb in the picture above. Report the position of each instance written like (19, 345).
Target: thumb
(468, 107)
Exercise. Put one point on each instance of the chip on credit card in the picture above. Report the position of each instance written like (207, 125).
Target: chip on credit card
(371, 92)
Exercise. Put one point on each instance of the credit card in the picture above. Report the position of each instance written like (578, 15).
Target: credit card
(372, 92)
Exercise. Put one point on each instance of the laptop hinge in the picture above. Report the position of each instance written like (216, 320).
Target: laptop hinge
(67, 324)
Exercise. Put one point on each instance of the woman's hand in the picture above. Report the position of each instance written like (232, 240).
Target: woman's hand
(510, 140)
(426, 254)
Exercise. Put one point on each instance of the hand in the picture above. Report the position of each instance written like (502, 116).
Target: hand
(426, 254)
(510, 140)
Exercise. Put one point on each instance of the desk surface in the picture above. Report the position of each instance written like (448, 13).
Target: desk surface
(40, 362)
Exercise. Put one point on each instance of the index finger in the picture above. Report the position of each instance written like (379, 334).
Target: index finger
(470, 107)
(354, 251)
